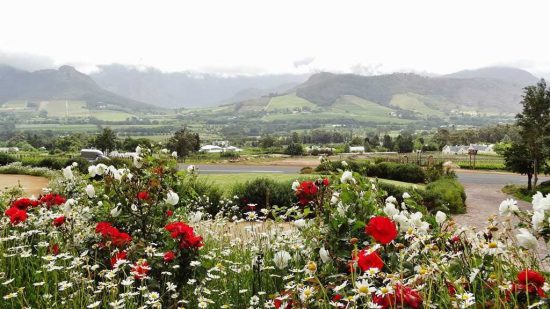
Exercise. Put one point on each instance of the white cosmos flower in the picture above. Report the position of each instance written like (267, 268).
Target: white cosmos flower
(295, 185)
(195, 217)
(347, 176)
(344, 163)
(390, 210)
(325, 255)
(138, 150)
(191, 168)
(115, 212)
(90, 191)
(537, 220)
(68, 173)
(440, 217)
(164, 150)
(335, 197)
(281, 259)
(540, 202)
(526, 239)
(508, 206)
(138, 161)
(172, 198)
(406, 195)
(92, 170)
(391, 199)
(299, 223)
(175, 154)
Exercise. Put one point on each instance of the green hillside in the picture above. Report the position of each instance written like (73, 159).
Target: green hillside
(288, 102)
(415, 103)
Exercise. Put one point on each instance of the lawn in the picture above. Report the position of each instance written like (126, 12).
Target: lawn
(65, 108)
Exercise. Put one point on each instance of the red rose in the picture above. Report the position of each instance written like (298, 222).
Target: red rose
(529, 281)
(119, 256)
(16, 215)
(169, 256)
(326, 182)
(140, 269)
(306, 192)
(24, 203)
(109, 232)
(366, 260)
(407, 296)
(185, 234)
(59, 221)
(52, 199)
(54, 249)
(169, 213)
(382, 229)
(143, 195)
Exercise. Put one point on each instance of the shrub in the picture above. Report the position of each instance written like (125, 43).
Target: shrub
(306, 170)
(82, 163)
(201, 192)
(388, 170)
(447, 195)
(294, 149)
(264, 193)
(6, 159)
(229, 154)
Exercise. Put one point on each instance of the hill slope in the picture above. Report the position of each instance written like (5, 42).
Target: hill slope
(66, 83)
(479, 93)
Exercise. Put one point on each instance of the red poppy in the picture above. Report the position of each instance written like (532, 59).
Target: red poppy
(59, 221)
(143, 195)
(16, 215)
(169, 256)
(366, 260)
(382, 229)
(140, 269)
(119, 256)
(185, 234)
(281, 303)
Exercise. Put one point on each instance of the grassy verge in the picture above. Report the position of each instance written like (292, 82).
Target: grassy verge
(519, 192)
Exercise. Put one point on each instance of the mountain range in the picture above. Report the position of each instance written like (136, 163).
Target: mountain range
(65, 83)
(486, 89)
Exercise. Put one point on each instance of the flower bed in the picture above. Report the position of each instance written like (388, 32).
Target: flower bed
(124, 238)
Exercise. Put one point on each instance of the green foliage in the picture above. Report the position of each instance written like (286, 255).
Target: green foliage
(184, 142)
(294, 149)
(387, 170)
(6, 158)
(445, 194)
(263, 192)
(229, 154)
(106, 140)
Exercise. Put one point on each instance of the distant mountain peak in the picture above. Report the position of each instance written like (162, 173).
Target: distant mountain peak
(510, 74)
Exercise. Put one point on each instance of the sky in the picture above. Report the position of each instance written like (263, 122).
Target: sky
(279, 36)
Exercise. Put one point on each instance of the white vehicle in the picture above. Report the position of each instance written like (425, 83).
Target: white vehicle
(92, 154)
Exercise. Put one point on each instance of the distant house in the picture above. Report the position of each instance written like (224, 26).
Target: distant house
(218, 149)
(9, 149)
(463, 149)
(357, 149)
(210, 149)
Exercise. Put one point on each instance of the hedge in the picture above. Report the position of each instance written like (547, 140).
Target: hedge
(387, 170)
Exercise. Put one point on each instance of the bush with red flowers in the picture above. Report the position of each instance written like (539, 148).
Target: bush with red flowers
(306, 192)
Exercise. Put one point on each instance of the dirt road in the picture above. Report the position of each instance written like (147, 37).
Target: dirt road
(32, 185)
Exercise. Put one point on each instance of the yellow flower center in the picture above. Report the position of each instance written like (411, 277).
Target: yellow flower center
(493, 245)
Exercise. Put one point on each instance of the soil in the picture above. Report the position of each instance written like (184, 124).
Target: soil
(32, 185)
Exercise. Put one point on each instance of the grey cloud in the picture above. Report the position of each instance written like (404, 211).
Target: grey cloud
(25, 61)
(303, 62)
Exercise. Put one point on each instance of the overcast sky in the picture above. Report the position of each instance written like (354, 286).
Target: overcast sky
(294, 36)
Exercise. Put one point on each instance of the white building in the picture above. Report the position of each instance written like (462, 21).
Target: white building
(218, 149)
(357, 149)
(463, 149)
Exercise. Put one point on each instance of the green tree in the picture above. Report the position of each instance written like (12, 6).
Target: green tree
(294, 149)
(106, 140)
(387, 142)
(516, 159)
(404, 143)
(534, 124)
(184, 142)
(267, 141)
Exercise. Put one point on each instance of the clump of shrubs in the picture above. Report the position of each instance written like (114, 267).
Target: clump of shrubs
(6, 159)
(387, 170)
(264, 193)
(445, 194)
